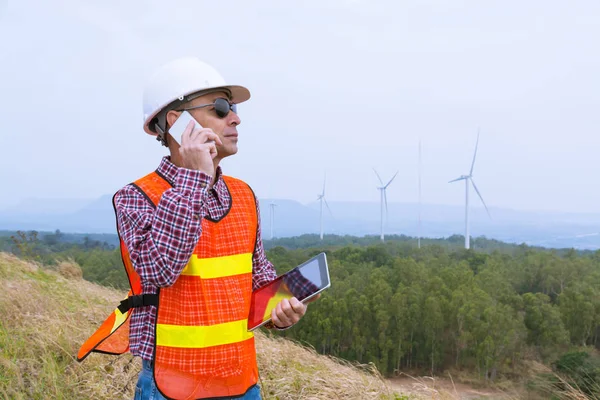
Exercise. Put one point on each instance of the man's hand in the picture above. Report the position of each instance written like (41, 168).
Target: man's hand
(289, 312)
(198, 149)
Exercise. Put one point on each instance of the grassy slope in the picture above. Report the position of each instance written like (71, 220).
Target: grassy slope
(44, 318)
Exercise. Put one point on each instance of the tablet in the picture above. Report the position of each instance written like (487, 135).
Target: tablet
(303, 282)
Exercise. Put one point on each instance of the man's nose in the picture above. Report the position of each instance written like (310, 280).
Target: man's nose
(234, 119)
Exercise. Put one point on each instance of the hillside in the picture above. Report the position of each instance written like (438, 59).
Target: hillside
(45, 314)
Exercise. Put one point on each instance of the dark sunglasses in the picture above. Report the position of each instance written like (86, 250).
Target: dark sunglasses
(222, 107)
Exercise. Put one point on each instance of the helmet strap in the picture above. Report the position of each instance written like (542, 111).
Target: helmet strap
(161, 135)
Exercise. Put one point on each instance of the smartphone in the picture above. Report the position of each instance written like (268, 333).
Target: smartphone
(179, 126)
(303, 282)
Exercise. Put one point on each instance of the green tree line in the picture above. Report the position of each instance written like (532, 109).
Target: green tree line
(431, 308)
(400, 307)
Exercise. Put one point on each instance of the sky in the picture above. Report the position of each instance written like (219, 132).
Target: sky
(338, 87)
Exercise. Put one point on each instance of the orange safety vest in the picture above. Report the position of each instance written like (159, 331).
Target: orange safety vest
(202, 345)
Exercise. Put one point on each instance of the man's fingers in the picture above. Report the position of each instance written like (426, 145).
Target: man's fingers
(288, 312)
(205, 135)
(279, 318)
(275, 318)
(297, 306)
(187, 132)
(214, 137)
(199, 136)
(217, 139)
(286, 307)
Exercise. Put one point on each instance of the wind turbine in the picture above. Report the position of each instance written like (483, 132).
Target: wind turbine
(272, 216)
(321, 199)
(383, 195)
(419, 225)
(467, 179)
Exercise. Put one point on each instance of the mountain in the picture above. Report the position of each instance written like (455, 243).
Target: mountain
(549, 229)
(95, 216)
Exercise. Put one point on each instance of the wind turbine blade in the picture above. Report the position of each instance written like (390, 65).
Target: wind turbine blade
(327, 205)
(388, 184)
(481, 197)
(386, 205)
(378, 177)
(457, 179)
(475, 154)
(324, 180)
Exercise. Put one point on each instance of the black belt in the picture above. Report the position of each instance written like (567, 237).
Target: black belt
(139, 300)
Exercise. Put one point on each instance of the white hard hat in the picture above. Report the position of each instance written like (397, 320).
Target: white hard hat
(177, 80)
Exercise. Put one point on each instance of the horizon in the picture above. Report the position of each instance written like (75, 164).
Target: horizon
(477, 206)
(355, 218)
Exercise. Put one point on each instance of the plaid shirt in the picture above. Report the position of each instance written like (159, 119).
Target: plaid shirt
(161, 240)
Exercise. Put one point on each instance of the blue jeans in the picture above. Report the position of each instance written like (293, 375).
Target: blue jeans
(146, 388)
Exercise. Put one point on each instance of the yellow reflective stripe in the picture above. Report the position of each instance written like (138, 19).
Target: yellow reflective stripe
(202, 336)
(218, 267)
(119, 319)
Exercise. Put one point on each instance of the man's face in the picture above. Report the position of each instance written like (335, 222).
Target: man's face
(225, 128)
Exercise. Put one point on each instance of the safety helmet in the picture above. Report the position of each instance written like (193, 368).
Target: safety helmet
(180, 81)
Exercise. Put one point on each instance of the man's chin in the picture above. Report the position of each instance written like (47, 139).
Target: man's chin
(229, 151)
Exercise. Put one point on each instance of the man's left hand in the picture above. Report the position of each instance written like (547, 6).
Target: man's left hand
(288, 312)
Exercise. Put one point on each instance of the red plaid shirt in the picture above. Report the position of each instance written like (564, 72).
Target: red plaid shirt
(161, 240)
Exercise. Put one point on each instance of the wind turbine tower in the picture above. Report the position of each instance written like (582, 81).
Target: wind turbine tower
(382, 189)
(321, 199)
(419, 225)
(272, 216)
(469, 179)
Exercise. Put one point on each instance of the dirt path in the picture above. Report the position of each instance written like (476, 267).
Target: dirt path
(441, 388)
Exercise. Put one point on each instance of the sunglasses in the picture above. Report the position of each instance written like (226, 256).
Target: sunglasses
(222, 107)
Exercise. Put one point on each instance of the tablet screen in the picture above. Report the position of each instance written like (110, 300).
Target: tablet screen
(301, 282)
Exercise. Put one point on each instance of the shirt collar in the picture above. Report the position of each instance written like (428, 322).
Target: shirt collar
(168, 170)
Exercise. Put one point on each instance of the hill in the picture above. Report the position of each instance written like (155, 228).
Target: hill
(45, 314)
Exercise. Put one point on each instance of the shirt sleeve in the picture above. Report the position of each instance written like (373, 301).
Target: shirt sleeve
(263, 271)
(161, 239)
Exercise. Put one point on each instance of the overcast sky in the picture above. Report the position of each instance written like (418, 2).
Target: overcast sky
(337, 86)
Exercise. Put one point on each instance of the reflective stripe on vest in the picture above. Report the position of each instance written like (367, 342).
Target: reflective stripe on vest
(203, 348)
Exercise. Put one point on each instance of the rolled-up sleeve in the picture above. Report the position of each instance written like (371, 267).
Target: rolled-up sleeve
(263, 271)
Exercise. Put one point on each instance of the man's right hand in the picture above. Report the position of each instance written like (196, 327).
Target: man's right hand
(198, 149)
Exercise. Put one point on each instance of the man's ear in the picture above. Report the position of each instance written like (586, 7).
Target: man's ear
(171, 117)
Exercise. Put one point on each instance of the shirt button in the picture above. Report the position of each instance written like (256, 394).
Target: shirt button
(203, 185)
(196, 217)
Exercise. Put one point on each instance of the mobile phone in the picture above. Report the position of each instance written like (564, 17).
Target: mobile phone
(179, 126)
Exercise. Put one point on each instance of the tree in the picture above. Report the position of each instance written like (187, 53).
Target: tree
(579, 306)
(545, 328)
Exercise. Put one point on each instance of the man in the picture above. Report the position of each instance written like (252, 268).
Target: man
(191, 245)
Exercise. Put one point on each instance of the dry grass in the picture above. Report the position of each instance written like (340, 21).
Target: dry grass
(70, 269)
(545, 381)
(43, 320)
(45, 317)
(291, 371)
